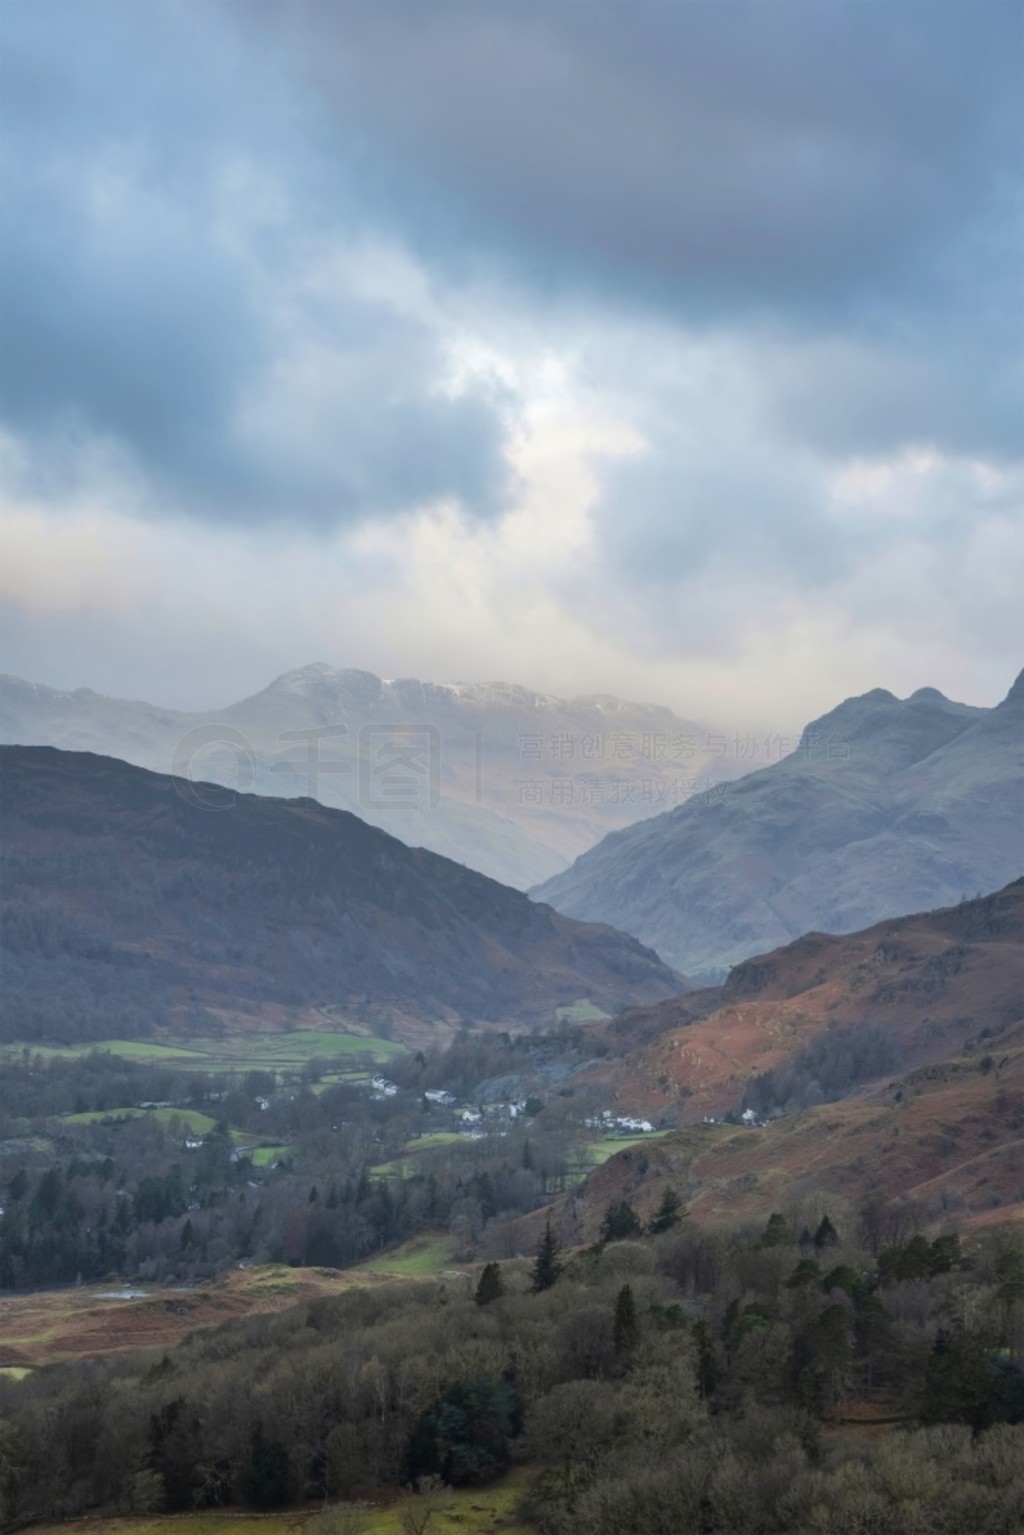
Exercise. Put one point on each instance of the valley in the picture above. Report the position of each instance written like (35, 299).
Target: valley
(511, 768)
(496, 776)
(249, 1088)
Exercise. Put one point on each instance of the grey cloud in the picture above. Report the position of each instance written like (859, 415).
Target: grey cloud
(840, 173)
(798, 158)
(139, 311)
(954, 388)
(843, 176)
(725, 503)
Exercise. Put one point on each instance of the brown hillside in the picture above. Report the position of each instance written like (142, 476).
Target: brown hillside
(939, 984)
(949, 1137)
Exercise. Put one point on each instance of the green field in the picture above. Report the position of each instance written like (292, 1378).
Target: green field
(603, 1149)
(598, 1152)
(130, 1049)
(292, 1050)
(470, 1511)
(436, 1138)
(333, 1078)
(202, 1124)
(421, 1256)
(404, 1165)
(266, 1156)
(252, 1052)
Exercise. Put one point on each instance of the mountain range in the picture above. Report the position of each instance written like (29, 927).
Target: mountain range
(506, 780)
(886, 806)
(132, 900)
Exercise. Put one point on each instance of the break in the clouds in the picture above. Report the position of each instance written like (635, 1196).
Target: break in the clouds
(668, 348)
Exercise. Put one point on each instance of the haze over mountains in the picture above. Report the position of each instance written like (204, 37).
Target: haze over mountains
(132, 900)
(508, 781)
(887, 806)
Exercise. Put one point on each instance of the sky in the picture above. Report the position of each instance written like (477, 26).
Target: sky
(671, 350)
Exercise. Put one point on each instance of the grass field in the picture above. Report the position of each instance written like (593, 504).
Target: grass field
(292, 1050)
(250, 1052)
(581, 1012)
(602, 1150)
(405, 1165)
(599, 1151)
(470, 1511)
(437, 1138)
(201, 1123)
(423, 1255)
(333, 1078)
(129, 1049)
(266, 1156)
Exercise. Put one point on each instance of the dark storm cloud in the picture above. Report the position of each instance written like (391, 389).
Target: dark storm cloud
(798, 157)
(816, 169)
(839, 181)
(145, 307)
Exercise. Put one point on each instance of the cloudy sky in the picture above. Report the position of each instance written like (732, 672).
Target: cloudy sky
(669, 349)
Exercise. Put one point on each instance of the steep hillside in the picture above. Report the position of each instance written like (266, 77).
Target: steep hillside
(511, 782)
(885, 807)
(947, 1138)
(920, 1022)
(828, 1014)
(132, 899)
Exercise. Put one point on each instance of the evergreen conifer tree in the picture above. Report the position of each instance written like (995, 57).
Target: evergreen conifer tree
(627, 1329)
(826, 1234)
(668, 1213)
(620, 1222)
(490, 1286)
(547, 1265)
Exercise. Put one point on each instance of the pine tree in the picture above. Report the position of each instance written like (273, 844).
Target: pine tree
(707, 1364)
(490, 1286)
(547, 1265)
(620, 1223)
(945, 1254)
(668, 1213)
(777, 1232)
(826, 1234)
(627, 1330)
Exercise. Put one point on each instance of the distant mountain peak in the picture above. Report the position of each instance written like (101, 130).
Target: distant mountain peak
(1015, 697)
(886, 805)
(315, 675)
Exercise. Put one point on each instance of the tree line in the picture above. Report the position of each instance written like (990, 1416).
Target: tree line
(682, 1380)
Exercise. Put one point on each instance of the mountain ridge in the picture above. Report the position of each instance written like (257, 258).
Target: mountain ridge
(517, 782)
(886, 806)
(131, 895)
